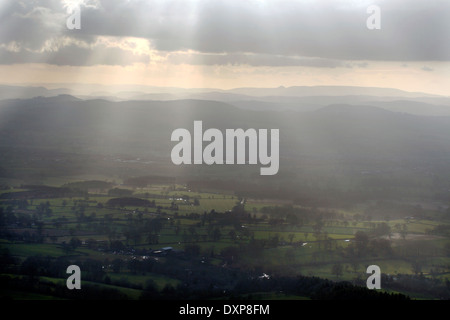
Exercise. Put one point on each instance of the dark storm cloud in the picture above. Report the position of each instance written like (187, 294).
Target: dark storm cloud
(274, 33)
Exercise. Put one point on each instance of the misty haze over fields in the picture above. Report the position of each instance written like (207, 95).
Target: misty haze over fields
(326, 134)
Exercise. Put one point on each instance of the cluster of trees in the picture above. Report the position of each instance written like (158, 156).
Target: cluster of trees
(296, 216)
(428, 287)
(9, 217)
(118, 192)
(130, 201)
(197, 280)
(44, 209)
(89, 185)
(58, 289)
(23, 217)
(314, 288)
(363, 245)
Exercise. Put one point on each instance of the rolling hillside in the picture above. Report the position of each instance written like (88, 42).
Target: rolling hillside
(63, 134)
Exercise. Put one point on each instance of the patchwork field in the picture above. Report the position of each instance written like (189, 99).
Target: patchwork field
(154, 239)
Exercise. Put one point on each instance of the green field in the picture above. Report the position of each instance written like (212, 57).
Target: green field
(213, 231)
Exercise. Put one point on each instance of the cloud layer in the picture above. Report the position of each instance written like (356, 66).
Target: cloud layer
(324, 34)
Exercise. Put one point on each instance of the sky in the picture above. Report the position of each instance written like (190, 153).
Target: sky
(227, 43)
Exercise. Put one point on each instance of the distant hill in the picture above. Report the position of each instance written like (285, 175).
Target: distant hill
(27, 92)
(298, 98)
(304, 91)
(144, 127)
(414, 107)
(65, 135)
